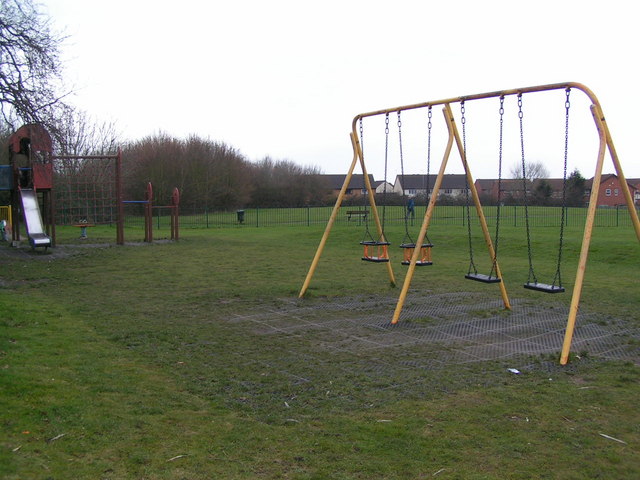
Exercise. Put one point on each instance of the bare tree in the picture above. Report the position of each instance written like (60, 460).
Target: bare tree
(282, 183)
(30, 68)
(209, 174)
(533, 171)
(80, 134)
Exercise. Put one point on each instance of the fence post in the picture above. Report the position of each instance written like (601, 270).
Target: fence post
(206, 216)
(308, 215)
(257, 221)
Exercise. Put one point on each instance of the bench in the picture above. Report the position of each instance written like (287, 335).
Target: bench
(357, 213)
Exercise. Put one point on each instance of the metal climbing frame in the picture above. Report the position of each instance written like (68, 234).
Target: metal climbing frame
(605, 143)
(89, 189)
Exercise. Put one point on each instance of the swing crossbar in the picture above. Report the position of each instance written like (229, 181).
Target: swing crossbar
(544, 287)
(481, 277)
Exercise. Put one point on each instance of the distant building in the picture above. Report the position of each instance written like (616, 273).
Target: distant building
(455, 185)
(414, 185)
(357, 186)
(383, 187)
(610, 194)
(635, 182)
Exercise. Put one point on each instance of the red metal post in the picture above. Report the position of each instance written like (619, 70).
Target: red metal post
(175, 215)
(119, 204)
(148, 214)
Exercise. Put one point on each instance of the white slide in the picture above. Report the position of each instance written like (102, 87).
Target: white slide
(33, 219)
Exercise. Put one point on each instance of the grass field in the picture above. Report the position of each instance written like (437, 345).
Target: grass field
(155, 362)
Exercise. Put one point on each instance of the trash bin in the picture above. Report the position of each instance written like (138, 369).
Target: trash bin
(240, 216)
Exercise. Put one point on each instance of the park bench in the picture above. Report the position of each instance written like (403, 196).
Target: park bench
(357, 213)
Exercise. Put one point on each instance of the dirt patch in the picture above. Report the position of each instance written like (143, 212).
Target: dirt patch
(24, 251)
(450, 328)
(344, 352)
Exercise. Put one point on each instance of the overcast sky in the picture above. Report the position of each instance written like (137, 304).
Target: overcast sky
(285, 78)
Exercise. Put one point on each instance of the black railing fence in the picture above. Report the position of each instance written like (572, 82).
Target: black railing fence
(356, 216)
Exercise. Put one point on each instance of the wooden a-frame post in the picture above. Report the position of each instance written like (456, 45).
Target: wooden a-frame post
(605, 143)
(357, 155)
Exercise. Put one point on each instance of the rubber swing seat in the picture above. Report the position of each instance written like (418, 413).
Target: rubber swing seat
(480, 277)
(375, 259)
(544, 287)
(418, 263)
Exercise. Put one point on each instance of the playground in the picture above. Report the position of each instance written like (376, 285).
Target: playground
(202, 358)
(234, 372)
(83, 191)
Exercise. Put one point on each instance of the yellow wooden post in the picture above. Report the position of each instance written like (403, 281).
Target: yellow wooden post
(332, 219)
(424, 227)
(586, 239)
(357, 154)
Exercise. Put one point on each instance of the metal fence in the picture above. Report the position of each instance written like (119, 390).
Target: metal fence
(443, 215)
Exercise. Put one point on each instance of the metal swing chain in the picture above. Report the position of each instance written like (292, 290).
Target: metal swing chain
(406, 216)
(367, 233)
(429, 125)
(567, 106)
(495, 246)
(463, 120)
(428, 196)
(384, 190)
(524, 192)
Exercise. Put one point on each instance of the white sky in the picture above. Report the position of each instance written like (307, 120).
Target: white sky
(284, 78)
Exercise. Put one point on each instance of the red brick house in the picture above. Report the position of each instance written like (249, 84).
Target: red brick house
(610, 194)
(635, 182)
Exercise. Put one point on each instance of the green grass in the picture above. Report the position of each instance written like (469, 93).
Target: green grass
(126, 362)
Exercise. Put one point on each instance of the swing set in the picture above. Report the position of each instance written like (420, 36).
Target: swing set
(376, 250)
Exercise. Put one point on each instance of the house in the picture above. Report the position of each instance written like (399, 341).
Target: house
(635, 183)
(513, 189)
(413, 185)
(610, 194)
(487, 188)
(455, 185)
(383, 187)
(356, 187)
